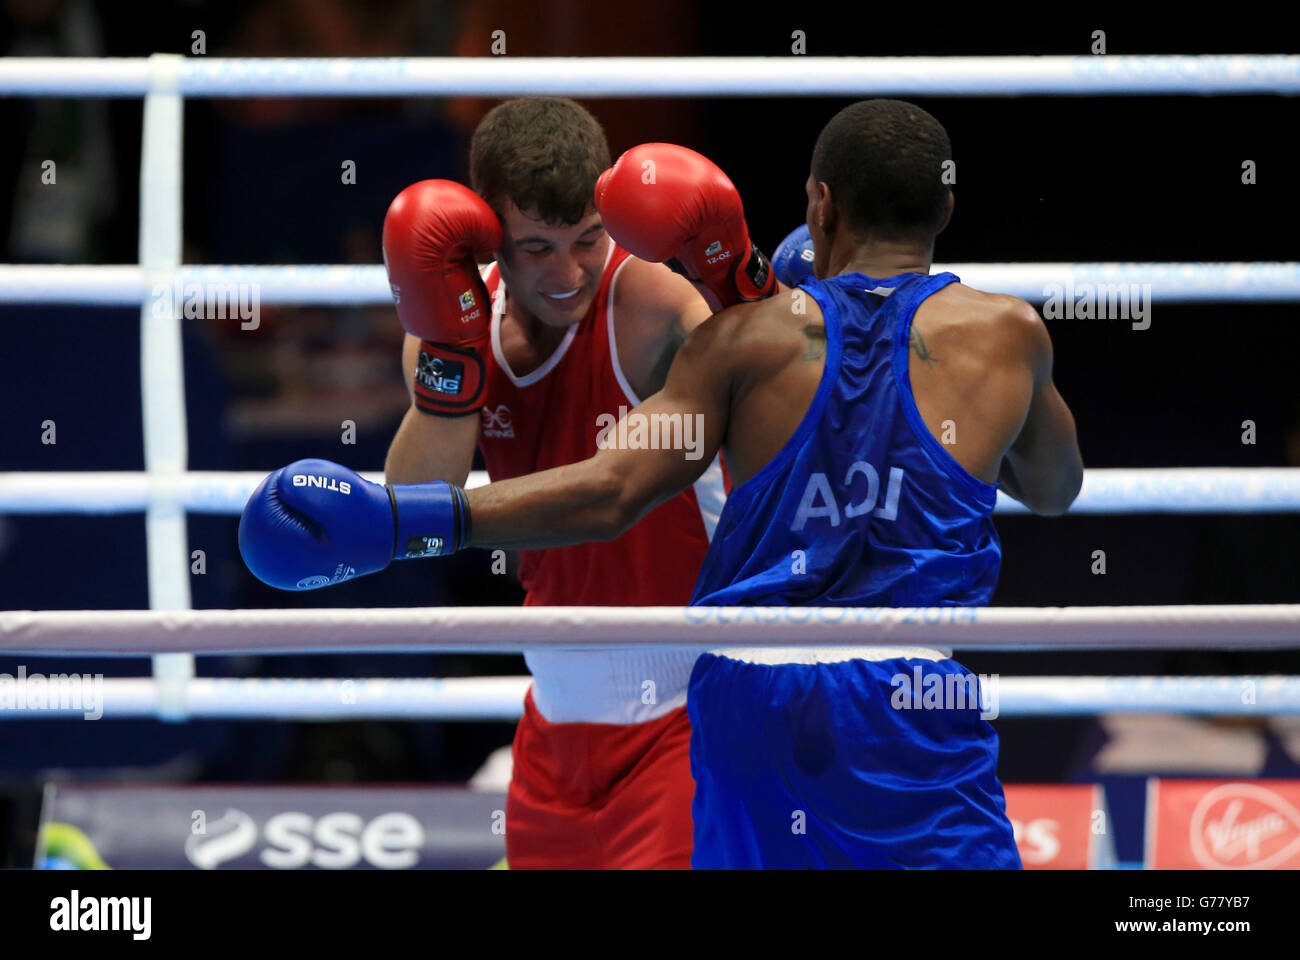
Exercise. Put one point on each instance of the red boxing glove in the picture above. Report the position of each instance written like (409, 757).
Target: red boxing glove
(433, 233)
(666, 203)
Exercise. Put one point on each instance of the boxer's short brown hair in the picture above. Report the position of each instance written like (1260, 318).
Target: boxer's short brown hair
(543, 153)
(884, 161)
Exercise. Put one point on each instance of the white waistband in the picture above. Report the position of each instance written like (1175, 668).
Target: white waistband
(609, 686)
(776, 655)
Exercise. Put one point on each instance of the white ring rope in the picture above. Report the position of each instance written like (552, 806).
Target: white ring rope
(197, 491)
(511, 629)
(326, 284)
(501, 698)
(1105, 491)
(665, 76)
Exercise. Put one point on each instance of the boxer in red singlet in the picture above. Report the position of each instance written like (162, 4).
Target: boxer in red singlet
(526, 362)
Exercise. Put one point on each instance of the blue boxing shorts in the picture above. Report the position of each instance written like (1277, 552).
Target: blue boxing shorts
(842, 764)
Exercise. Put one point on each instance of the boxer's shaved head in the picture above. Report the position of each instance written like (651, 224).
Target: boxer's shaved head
(884, 162)
(543, 154)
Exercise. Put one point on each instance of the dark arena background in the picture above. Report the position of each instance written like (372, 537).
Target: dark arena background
(1059, 179)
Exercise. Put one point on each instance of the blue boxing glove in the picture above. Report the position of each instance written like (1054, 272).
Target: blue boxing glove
(315, 523)
(793, 260)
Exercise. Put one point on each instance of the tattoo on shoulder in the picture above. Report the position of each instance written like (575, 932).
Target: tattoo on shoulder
(917, 344)
(815, 349)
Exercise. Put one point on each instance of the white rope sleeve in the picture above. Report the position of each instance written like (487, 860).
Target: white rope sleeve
(1105, 491)
(667, 76)
(66, 695)
(511, 629)
(197, 491)
(162, 362)
(335, 284)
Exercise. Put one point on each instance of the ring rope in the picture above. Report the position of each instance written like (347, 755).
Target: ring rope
(501, 698)
(1105, 491)
(325, 284)
(796, 76)
(511, 629)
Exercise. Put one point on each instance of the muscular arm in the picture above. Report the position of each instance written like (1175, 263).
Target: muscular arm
(428, 447)
(1043, 468)
(603, 496)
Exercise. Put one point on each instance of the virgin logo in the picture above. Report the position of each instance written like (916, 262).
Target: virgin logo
(1240, 826)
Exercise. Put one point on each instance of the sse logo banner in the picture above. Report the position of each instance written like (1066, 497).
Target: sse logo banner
(293, 839)
(220, 827)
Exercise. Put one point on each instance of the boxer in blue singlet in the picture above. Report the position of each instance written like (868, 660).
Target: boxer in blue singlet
(832, 404)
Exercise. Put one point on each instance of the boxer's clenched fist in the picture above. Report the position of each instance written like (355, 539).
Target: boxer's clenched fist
(315, 523)
(666, 203)
(434, 233)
